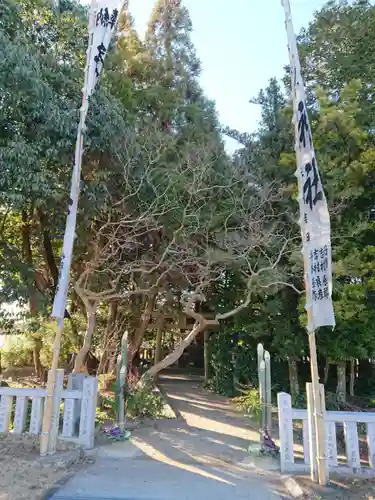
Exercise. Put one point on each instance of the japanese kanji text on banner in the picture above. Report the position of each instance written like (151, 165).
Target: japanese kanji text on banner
(102, 22)
(314, 219)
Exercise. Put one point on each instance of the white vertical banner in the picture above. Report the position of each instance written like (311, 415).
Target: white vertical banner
(106, 16)
(314, 216)
(103, 18)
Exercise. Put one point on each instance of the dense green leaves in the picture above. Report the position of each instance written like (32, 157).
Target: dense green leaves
(162, 206)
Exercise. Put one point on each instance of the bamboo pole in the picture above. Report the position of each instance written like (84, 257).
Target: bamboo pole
(318, 416)
(260, 357)
(312, 433)
(267, 361)
(262, 390)
(316, 391)
(51, 382)
(121, 374)
(69, 232)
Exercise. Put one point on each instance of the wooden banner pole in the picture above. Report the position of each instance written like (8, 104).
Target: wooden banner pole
(260, 358)
(318, 414)
(45, 446)
(267, 360)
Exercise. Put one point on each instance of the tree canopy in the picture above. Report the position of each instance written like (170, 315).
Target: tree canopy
(169, 223)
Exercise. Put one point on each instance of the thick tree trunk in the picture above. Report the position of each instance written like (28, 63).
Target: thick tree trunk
(159, 345)
(111, 321)
(79, 362)
(36, 356)
(48, 249)
(293, 378)
(176, 354)
(28, 256)
(139, 332)
(33, 294)
(326, 371)
(341, 381)
(159, 340)
(352, 377)
(51, 262)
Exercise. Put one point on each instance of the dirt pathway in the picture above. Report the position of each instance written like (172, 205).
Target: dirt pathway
(208, 427)
(200, 455)
(209, 438)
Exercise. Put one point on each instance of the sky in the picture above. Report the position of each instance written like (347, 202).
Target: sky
(241, 44)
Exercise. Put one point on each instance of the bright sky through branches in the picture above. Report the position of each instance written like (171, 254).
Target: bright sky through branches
(241, 44)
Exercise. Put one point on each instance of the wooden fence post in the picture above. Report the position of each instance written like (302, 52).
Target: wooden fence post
(75, 383)
(330, 434)
(284, 402)
(20, 414)
(6, 403)
(371, 444)
(88, 409)
(69, 420)
(352, 445)
(52, 438)
(36, 415)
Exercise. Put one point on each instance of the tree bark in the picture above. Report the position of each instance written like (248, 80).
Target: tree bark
(326, 371)
(33, 297)
(293, 378)
(51, 262)
(139, 332)
(176, 353)
(79, 362)
(28, 256)
(111, 320)
(48, 249)
(36, 357)
(159, 340)
(341, 381)
(352, 377)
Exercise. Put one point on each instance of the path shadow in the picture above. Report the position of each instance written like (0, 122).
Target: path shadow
(209, 438)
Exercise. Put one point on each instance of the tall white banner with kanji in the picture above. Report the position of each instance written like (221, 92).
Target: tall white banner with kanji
(103, 18)
(314, 216)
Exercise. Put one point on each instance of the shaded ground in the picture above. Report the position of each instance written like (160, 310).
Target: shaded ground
(211, 431)
(208, 429)
(201, 455)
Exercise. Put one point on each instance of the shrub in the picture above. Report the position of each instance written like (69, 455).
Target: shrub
(232, 355)
(17, 351)
(249, 402)
(144, 402)
(141, 399)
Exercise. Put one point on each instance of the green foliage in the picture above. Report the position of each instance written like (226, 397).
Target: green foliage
(232, 358)
(143, 402)
(331, 401)
(46, 333)
(249, 403)
(17, 351)
(155, 170)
